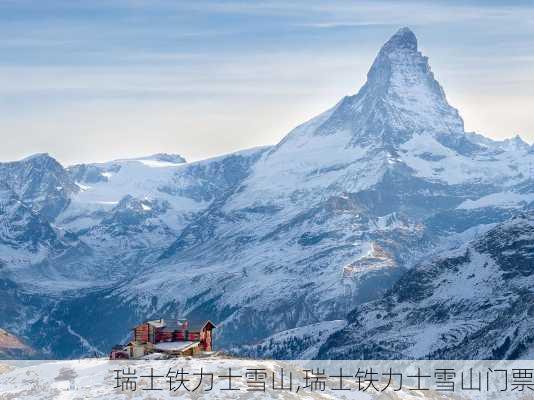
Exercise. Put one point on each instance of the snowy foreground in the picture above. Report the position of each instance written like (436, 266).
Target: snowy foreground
(103, 379)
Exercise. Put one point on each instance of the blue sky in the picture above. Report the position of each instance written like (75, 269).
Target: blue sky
(98, 80)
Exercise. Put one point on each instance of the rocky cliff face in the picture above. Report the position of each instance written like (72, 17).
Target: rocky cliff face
(472, 301)
(13, 347)
(41, 181)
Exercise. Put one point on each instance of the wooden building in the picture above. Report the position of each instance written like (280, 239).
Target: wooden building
(173, 337)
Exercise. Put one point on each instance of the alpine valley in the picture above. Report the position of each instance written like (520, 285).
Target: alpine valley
(378, 229)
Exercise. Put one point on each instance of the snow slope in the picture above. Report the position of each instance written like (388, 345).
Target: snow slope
(301, 343)
(473, 301)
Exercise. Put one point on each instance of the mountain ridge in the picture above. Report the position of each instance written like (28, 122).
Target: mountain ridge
(472, 301)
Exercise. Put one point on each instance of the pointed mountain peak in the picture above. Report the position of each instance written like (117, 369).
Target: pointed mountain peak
(400, 99)
(400, 60)
(37, 157)
(518, 139)
(41, 161)
(403, 39)
(515, 143)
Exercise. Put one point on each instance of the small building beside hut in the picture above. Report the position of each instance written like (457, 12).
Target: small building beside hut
(171, 337)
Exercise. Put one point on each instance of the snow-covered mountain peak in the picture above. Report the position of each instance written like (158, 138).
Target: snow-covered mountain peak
(41, 161)
(363, 135)
(400, 61)
(41, 182)
(400, 99)
(400, 64)
(402, 96)
(404, 38)
(515, 143)
(36, 157)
